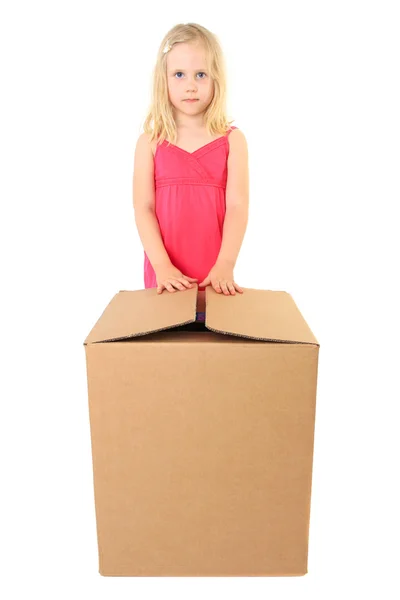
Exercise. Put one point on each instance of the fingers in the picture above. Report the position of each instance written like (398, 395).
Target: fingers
(183, 283)
(180, 284)
(165, 285)
(227, 287)
(221, 287)
(233, 287)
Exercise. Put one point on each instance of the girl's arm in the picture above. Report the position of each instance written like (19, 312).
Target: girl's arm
(237, 199)
(144, 204)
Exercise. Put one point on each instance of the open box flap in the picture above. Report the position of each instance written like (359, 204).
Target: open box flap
(134, 313)
(258, 314)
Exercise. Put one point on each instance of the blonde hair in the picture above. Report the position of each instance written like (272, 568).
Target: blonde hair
(159, 122)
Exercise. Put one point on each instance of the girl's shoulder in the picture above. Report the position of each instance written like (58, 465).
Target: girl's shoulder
(145, 138)
(152, 143)
(237, 136)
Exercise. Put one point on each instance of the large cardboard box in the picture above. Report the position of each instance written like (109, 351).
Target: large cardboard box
(202, 433)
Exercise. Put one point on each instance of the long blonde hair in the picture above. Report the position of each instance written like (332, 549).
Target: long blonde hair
(159, 122)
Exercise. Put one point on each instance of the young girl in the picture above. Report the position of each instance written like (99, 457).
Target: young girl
(191, 170)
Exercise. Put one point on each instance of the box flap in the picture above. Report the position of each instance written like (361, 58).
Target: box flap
(134, 313)
(259, 314)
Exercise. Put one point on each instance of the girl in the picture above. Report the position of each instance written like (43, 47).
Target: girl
(190, 170)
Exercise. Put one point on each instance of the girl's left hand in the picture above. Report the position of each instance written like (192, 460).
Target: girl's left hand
(221, 279)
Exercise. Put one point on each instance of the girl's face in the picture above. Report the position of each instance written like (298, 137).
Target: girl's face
(188, 77)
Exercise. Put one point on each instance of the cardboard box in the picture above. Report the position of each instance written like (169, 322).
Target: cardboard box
(202, 433)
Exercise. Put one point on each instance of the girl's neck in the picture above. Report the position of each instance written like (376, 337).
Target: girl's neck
(187, 124)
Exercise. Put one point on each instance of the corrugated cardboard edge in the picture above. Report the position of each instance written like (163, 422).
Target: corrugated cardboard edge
(265, 315)
(105, 573)
(140, 312)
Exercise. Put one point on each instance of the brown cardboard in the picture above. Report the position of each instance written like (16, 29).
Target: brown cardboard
(202, 433)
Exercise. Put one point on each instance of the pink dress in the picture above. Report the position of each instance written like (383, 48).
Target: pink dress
(190, 206)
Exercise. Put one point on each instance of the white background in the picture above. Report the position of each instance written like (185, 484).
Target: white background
(314, 86)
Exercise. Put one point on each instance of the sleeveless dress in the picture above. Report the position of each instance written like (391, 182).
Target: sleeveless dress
(190, 206)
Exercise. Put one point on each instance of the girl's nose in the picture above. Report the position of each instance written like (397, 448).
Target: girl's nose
(192, 85)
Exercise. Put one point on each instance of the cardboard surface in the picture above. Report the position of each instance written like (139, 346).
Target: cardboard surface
(202, 434)
(258, 314)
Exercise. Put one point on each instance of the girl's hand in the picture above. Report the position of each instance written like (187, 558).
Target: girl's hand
(221, 279)
(169, 277)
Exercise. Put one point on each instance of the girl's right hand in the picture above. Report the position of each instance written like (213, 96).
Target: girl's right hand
(169, 277)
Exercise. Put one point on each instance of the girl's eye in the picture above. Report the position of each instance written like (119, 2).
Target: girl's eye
(180, 72)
